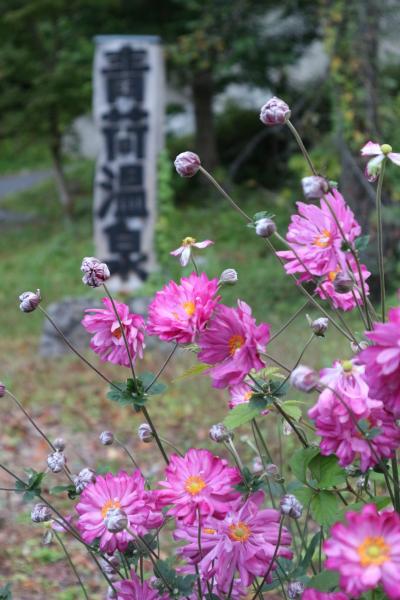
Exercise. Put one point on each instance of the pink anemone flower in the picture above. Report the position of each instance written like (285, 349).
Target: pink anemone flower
(134, 589)
(379, 152)
(347, 300)
(366, 552)
(232, 343)
(110, 492)
(382, 362)
(311, 594)
(198, 483)
(180, 312)
(315, 236)
(242, 544)
(108, 341)
(185, 250)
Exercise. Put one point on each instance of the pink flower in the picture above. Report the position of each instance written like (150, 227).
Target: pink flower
(110, 492)
(180, 312)
(133, 589)
(347, 300)
(366, 552)
(240, 394)
(374, 165)
(232, 343)
(316, 238)
(198, 482)
(382, 361)
(108, 341)
(337, 428)
(243, 543)
(312, 594)
(185, 250)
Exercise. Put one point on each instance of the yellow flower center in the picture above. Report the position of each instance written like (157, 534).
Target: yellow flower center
(209, 530)
(323, 240)
(347, 366)
(373, 551)
(109, 505)
(194, 484)
(333, 274)
(188, 241)
(235, 342)
(247, 396)
(239, 532)
(189, 308)
(386, 148)
(117, 333)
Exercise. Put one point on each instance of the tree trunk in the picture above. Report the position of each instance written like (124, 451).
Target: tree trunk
(205, 141)
(63, 193)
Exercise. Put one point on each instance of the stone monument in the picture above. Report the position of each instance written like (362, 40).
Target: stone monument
(128, 105)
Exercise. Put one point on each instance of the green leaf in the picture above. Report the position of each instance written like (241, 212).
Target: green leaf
(379, 501)
(5, 592)
(303, 494)
(182, 584)
(300, 461)
(324, 508)
(31, 489)
(123, 395)
(361, 243)
(292, 410)
(326, 581)
(157, 387)
(192, 372)
(306, 561)
(240, 415)
(326, 471)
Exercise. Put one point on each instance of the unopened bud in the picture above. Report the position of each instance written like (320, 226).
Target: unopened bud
(59, 444)
(187, 164)
(275, 112)
(40, 513)
(291, 506)
(228, 277)
(272, 470)
(145, 433)
(265, 227)
(2, 389)
(314, 186)
(106, 438)
(116, 520)
(356, 348)
(343, 283)
(304, 379)
(319, 326)
(95, 272)
(219, 433)
(84, 477)
(111, 565)
(257, 465)
(295, 589)
(29, 301)
(56, 461)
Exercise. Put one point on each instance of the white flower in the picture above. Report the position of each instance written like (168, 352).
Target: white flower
(379, 152)
(184, 251)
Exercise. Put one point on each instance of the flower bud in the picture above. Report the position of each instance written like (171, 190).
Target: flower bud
(145, 433)
(95, 272)
(40, 513)
(295, 589)
(116, 520)
(343, 283)
(187, 164)
(219, 433)
(106, 438)
(319, 326)
(56, 461)
(291, 506)
(111, 565)
(257, 465)
(314, 186)
(304, 379)
(59, 444)
(2, 389)
(84, 477)
(30, 301)
(265, 227)
(228, 277)
(356, 348)
(275, 112)
(272, 470)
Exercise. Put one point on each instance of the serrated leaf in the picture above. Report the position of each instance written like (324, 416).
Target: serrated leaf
(379, 501)
(303, 495)
(326, 581)
(241, 414)
(326, 471)
(123, 395)
(324, 508)
(156, 388)
(58, 489)
(192, 372)
(300, 460)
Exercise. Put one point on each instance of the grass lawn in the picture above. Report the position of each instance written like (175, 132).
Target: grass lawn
(68, 400)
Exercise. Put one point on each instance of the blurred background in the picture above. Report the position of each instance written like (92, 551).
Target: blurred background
(335, 62)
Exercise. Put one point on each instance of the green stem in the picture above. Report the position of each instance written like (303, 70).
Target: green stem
(161, 370)
(71, 564)
(301, 146)
(380, 238)
(395, 471)
(156, 436)
(292, 318)
(264, 579)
